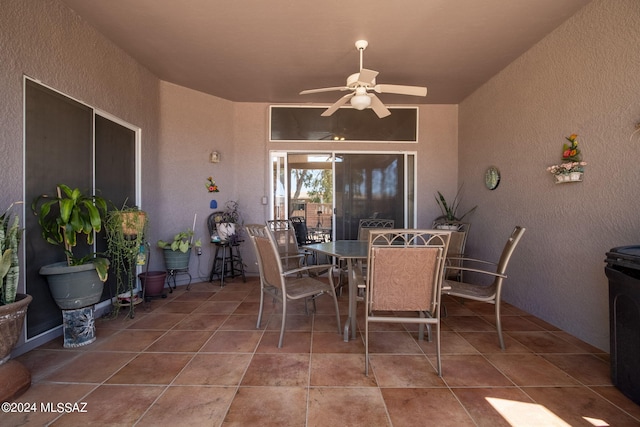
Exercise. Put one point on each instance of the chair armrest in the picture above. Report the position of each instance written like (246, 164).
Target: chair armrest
(464, 259)
(291, 256)
(476, 270)
(321, 267)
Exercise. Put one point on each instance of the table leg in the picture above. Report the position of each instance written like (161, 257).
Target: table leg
(353, 303)
(224, 264)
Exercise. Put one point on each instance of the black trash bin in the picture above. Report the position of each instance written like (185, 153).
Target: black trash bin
(623, 272)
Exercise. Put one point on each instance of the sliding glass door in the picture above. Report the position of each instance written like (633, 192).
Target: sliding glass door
(332, 191)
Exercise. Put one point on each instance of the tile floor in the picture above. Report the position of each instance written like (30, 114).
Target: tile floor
(196, 358)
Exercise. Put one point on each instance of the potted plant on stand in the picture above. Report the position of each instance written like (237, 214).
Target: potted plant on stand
(177, 254)
(228, 225)
(75, 284)
(14, 376)
(450, 219)
(126, 230)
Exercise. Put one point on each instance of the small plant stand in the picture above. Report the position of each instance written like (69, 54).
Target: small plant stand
(79, 328)
(227, 262)
(128, 249)
(171, 275)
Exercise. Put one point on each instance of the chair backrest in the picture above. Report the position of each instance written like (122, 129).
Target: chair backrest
(285, 236)
(267, 254)
(368, 224)
(509, 247)
(300, 226)
(459, 240)
(457, 246)
(405, 269)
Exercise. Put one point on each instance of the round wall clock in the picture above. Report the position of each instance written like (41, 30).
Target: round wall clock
(492, 178)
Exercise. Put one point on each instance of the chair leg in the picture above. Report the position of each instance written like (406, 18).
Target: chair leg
(366, 348)
(499, 325)
(335, 303)
(421, 328)
(260, 310)
(438, 360)
(284, 320)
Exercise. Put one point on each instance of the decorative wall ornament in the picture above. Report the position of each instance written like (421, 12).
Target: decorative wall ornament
(211, 185)
(572, 168)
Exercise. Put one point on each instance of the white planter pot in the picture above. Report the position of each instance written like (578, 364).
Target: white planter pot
(226, 229)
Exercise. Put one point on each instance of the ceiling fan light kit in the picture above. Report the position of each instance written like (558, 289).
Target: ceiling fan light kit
(360, 84)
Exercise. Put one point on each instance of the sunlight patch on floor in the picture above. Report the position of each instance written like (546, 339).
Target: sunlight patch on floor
(522, 414)
(596, 421)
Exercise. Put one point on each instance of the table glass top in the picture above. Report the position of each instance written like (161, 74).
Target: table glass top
(356, 249)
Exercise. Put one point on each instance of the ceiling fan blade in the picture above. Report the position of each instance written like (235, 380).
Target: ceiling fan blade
(401, 90)
(329, 111)
(324, 89)
(378, 107)
(366, 76)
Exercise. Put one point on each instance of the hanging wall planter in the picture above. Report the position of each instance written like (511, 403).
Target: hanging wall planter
(572, 170)
(568, 177)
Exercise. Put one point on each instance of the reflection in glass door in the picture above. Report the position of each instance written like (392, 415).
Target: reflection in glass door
(368, 186)
(331, 192)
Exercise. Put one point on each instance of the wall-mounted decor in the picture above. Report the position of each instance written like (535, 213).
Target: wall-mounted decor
(211, 185)
(492, 178)
(572, 168)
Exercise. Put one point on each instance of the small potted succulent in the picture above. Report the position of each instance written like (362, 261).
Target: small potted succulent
(450, 219)
(229, 225)
(178, 251)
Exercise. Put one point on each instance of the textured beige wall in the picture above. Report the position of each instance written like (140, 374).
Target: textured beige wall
(46, 41)
(583, 79)
(192, 125)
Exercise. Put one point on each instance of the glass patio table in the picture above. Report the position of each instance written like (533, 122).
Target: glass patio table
(350, 251)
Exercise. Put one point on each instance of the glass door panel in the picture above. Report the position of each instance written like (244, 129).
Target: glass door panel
(368, 186)
(311, 191)
(331, 192)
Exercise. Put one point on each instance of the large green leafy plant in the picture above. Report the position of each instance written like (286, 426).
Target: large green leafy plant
(181, 242)
(68, 215)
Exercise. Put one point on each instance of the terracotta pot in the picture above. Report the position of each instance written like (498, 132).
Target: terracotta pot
(153, 282)
(11, 321)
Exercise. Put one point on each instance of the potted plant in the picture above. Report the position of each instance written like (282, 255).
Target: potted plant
(125, 230)
(178, 251)
(13, 307)
(228, 227)
(572, 168)
(450, 219)
(78, 281)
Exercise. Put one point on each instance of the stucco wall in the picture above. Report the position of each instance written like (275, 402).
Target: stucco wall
(44, 40)
(582, 78)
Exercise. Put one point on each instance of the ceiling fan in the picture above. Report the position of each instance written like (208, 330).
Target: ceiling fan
(361, 85)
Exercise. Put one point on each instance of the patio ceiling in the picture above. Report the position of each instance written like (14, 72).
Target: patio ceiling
(268, 51)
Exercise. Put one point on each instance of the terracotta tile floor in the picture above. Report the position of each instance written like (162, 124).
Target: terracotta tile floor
(196, 358)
